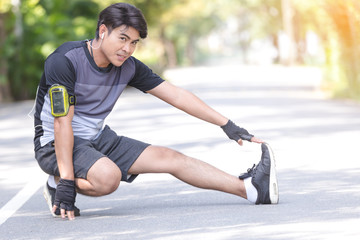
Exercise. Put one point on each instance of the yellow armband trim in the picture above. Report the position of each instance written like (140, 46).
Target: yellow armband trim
(59, 100)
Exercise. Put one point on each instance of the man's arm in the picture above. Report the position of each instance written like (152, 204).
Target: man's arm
(191, 104)
(64, 144)
(188, 102)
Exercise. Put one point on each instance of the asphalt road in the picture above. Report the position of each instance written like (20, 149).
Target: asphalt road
(315, 140)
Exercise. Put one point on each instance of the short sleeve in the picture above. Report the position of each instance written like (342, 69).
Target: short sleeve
(144, 79)
(59, 70)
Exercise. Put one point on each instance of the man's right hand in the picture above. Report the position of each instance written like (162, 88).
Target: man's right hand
(65, 198)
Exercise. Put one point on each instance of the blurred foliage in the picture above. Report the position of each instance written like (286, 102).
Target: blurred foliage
(187, 32)
(337, 23)
(32, 30)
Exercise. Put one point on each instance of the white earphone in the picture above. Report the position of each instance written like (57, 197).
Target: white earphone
(102, 37)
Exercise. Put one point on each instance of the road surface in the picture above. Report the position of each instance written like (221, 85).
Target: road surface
(315, 140)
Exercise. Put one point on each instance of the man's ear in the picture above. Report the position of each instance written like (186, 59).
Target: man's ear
(102, 31)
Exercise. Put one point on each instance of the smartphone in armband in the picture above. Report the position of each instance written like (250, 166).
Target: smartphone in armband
(59, 99)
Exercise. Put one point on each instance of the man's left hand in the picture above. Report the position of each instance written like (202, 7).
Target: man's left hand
(239, 134)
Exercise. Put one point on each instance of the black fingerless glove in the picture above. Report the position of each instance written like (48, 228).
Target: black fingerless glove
(235, 132)
(65, 195)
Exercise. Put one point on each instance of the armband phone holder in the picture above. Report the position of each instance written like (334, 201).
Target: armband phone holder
(60, 101)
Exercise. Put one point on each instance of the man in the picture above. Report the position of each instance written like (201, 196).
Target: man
(79, 87)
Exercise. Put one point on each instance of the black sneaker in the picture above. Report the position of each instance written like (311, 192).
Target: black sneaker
(49, 194)
(264, 177)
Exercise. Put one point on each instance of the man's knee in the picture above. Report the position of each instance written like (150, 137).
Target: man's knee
(108, 184)
(104, 176)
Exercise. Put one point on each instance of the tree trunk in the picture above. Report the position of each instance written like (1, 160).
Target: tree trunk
(288, 24)
(5, 93)
(170, 50)
(190, 51)
(354, 78)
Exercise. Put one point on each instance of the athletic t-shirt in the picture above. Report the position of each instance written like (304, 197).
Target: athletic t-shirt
(96, 89)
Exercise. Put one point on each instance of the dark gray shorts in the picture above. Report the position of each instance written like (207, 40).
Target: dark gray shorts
(121, 150)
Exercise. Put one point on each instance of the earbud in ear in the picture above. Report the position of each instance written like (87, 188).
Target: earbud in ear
(102, 35)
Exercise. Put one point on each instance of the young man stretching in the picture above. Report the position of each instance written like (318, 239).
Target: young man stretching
(80, 85)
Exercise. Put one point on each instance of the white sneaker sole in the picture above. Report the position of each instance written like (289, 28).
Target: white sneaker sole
(47, 197)
(273, 184)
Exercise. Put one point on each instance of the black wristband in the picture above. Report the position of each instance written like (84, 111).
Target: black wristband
(235, 132)
(65, 195)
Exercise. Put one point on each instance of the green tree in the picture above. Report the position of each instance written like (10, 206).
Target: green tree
(6, 18)
(33, 30)
(338, 25)
(174, 27)
(182, 25)
(345, 19)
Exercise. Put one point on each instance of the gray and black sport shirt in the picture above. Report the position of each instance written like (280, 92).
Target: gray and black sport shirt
(96, 89)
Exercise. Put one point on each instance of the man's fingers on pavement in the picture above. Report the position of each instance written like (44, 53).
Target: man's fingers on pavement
(54, 208)
(62, 211)
(71, 215)
(240, 142)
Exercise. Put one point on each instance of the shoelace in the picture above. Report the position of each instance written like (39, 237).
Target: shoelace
(252, 171)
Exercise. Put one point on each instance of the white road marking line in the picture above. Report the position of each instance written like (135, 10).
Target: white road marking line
(20, 198)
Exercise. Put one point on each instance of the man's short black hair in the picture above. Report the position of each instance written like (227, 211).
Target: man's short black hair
(119, 14)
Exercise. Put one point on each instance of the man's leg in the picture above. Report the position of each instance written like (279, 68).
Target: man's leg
(103, 178)
(192, 171)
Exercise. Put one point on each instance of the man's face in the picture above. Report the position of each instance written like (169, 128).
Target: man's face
(120, 44)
